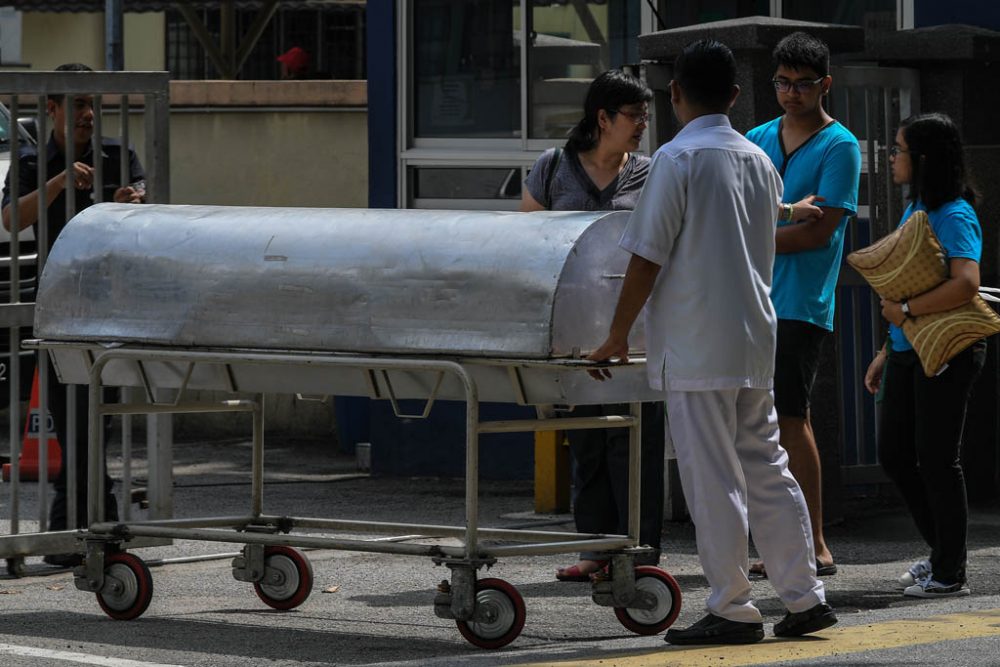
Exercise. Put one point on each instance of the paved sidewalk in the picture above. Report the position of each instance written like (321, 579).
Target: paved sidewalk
(376, 608)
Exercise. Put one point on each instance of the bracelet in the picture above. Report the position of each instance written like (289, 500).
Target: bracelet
(789, 212)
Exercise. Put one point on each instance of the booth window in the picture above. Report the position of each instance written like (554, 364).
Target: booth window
(488, 84)
(570, 44)
(466, 69)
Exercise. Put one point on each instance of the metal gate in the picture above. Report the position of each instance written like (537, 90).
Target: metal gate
(870, 102)
(23, 256)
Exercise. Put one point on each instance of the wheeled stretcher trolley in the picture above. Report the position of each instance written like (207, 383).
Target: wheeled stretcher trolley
(389, 304)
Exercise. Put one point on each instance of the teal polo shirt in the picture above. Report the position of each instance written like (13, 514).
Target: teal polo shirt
(828, 165)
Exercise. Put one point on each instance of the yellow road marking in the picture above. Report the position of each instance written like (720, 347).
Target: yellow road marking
(835, 641)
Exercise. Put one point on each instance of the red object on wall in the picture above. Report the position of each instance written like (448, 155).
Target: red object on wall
(30, 446)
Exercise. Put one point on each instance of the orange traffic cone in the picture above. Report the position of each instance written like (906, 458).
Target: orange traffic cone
(29, 448)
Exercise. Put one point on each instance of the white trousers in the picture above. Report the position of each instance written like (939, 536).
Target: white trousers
(735, 478)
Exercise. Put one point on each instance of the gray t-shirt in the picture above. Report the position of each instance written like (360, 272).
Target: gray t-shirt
(572, 190)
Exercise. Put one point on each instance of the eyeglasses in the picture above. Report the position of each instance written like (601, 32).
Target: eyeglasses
(785, 86)
(896, 150)
(637, 117)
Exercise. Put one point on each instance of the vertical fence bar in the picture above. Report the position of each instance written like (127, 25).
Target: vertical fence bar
(257, 472)
(42, 226)
(14, 334)
(157, 149)
(126, 396)
(635, 473)
(97, 150)
(69, 102)
(15, 218)
(124, 174)
(889, 139)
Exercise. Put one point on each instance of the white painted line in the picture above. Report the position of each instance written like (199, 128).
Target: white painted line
(82, 658)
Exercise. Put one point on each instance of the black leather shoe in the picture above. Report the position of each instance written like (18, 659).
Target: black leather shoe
(717, 630)
(801, 623)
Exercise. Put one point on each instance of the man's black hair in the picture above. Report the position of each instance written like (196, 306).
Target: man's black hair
(801, 50)
(69, 67)
(706, 72)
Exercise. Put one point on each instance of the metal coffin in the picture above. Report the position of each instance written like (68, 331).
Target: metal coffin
(489, 284)
(495, 288)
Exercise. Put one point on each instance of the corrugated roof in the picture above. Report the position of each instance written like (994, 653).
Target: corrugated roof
(160, 5)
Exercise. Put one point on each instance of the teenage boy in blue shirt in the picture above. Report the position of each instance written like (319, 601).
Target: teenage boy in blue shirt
(820, 163)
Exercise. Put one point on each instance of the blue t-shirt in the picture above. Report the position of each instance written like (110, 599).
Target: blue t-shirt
(957, 228)
(828, 165)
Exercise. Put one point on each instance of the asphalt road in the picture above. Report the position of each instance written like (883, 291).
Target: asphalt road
(376, 609)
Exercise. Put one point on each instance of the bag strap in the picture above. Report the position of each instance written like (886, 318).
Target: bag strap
(988, 293)
(553, 165)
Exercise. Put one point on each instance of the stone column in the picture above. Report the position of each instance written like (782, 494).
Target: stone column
(752, 40)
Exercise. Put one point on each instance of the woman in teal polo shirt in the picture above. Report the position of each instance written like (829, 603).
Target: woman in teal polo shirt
(922, 418)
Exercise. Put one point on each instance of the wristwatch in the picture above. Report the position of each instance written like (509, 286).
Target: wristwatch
(905, 307)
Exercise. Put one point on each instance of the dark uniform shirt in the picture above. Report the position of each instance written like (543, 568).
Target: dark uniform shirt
(56, 163)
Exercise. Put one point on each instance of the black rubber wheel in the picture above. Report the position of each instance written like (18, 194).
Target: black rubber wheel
(288, 578)
(504, 609)
(128, 586)
(668, 602)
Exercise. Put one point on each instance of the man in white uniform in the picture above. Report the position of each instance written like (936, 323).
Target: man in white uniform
(702, 244)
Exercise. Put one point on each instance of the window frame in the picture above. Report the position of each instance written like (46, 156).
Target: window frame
(414, 152)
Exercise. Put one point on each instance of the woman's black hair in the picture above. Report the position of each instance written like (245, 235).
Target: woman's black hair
(937, 161)
(610, 91)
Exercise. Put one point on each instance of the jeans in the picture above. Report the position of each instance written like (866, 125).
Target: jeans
(919, 448)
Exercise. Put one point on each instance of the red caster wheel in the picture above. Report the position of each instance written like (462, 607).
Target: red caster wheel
(502, 607)
(288, 578)
(128, 586)
(653, 621)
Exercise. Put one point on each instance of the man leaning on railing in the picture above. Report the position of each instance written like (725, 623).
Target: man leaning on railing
(127, 189)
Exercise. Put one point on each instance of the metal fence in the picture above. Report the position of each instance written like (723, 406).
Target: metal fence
(25, 94)
(870, 102)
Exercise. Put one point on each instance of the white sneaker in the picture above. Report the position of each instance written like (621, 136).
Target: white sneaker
(928, 588)
(919, 570)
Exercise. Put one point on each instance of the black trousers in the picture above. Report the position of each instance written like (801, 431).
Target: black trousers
(58, 406)
(920, 445)
(600, 476)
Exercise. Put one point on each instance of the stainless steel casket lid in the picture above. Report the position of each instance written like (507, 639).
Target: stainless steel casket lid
(466, 283)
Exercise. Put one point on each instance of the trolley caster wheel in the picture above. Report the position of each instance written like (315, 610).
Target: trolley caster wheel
(128, 586)
(653, 621)
(16, 567)
(502, 607)
(288, 578)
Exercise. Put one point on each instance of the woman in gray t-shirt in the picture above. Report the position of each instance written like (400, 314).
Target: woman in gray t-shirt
(598, 170)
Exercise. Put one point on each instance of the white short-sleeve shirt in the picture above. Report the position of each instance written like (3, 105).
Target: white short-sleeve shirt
(707, 215)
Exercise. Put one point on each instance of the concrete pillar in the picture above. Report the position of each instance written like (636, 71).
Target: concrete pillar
(752, 40)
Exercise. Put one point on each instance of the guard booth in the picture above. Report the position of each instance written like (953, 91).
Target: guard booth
(134, 107)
